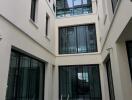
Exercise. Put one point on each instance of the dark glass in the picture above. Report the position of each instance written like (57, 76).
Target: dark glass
(79, 82)
(47, 24)
(24, 78)
(73, 7)
(129, 51)
(33, 9)
(114, 3)
(110, 80)
(77, 39)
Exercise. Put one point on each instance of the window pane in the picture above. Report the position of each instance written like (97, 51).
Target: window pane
(79, 82)
(73, 7)
(77, 39)
(24, 78)
(81, 37)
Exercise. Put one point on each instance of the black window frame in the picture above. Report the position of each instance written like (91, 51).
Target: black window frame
(47, 24)
(87, 34)
(128, 53)
(18, 91)
(78, 67)
(33, 10)
(110, 78)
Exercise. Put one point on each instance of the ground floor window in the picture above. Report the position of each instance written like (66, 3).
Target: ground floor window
(79, 82)
(26, 77)
(110, 79)
(129, 51)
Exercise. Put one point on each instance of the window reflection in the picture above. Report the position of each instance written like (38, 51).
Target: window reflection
(73, 7)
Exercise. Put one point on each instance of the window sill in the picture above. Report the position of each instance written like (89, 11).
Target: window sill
(79, 54)
(33, 23)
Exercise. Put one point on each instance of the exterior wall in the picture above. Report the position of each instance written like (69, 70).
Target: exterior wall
(111, 30)
(17, 30)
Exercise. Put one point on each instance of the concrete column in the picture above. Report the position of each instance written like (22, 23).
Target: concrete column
(56, 84)
(48, 82)
(104, 82)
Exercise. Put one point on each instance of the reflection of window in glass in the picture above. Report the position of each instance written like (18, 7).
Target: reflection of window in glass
(77, 2)
(83, 76)
(69, 3)
(73, 7)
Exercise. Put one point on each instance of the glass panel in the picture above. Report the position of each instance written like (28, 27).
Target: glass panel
(12, 76)
(77, 3)
(63, 40)
(71, 40)
(24, 78)
(77, 39)
(79, 82)
(81, 37)
(73, 7)
(91, 38)
(68, 4)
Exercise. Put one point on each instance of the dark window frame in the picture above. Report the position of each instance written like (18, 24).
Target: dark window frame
(17, 92)
(128, 53)
(89, 49)
(110, 78)
(47, 24)
(78, 66)
(33, 10)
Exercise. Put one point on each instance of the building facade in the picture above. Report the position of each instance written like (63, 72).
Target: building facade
(66, 50)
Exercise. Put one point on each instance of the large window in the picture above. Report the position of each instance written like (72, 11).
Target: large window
(114, 3)
(79, 82)
(24, 79)
(77, 39)
(73, 7)
(110, 79)
(129, 51)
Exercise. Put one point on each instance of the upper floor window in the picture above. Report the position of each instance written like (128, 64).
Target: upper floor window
(73, 7)
(47, 24)
(77, 39)
(33, 9)
(114, 3)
